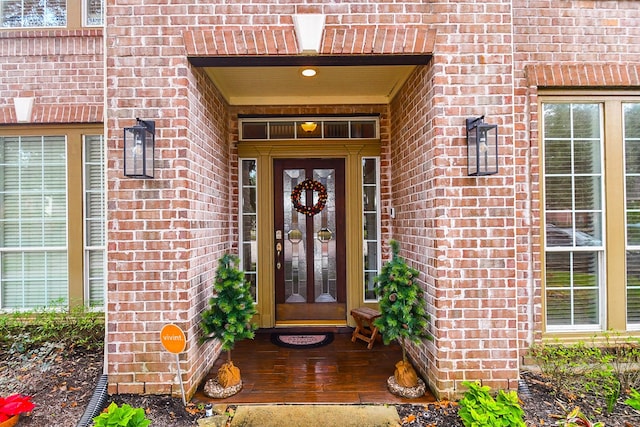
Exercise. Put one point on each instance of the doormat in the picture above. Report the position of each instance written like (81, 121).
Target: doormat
(308, 340)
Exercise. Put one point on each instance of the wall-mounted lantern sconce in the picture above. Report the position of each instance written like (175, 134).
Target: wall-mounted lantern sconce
(139, 144)
(482, 147)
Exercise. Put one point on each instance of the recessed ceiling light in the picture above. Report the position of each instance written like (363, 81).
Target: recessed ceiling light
(309, 72)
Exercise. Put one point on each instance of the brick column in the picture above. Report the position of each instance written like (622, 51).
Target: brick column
(459, 230)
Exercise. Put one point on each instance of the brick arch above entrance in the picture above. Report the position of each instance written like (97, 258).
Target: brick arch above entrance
(416, 41)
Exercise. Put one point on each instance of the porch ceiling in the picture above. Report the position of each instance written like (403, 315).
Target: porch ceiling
(354, 65)
(285, 85)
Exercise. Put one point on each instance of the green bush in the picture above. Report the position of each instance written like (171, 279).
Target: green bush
(604, 369)
(625, 354)
(121, 416)
(479, 409)
(74, 328)
(566, 365)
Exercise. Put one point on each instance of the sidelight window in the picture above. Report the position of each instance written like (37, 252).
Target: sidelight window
(371, 224)
(249, 223)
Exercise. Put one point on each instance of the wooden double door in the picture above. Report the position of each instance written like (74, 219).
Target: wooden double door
(310, 254)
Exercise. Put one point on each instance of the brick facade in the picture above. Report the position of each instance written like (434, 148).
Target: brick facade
(459, 230)
(62, 70)
(570, 45)
(476, 241)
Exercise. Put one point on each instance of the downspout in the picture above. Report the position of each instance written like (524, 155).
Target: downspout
(100, 394)
(105, 176)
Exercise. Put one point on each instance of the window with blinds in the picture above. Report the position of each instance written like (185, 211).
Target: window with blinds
(574, 216)
(33, 13)
(51, 13)
(94, 219)
(33, 221)
(631, 121)
(94, 12)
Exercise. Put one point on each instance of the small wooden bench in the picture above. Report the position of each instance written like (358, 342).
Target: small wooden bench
(365, 329)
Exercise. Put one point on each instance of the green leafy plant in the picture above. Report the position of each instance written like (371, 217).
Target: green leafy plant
(479, 409)
(576, 418)
(625, 352)
(231, 307)
(122, 416)
(402, 305)
(634, 399)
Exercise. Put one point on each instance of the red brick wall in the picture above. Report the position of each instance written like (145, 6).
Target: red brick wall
(569, 44)
(165, 235)
(475, 240)
(459, 230)
(186, 208)
(63, 71)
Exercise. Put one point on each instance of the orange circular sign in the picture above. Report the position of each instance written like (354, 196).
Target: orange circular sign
(173, 338)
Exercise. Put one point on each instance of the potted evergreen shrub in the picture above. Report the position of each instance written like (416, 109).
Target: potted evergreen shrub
(403, 315)
(229, 319)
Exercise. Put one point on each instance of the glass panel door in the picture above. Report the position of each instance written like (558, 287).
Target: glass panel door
(309, 239)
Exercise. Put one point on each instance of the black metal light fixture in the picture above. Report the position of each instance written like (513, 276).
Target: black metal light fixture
(482, 147)
(139, 145)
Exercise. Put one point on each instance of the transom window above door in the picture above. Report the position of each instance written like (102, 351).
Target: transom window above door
(286, 128)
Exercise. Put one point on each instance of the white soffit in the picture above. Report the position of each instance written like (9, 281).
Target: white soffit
(371, 84)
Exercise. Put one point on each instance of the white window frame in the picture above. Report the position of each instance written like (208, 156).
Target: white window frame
(600, 250)
(90, 248)
(26, 249)
(630, 326)
(350, 123)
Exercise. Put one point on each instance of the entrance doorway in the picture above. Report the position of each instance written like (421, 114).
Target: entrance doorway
(310, 249)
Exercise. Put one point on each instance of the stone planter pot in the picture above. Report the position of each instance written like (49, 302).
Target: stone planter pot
(213, 389)
(408, 392)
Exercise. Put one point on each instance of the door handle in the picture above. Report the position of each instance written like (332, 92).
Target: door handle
(278, 252)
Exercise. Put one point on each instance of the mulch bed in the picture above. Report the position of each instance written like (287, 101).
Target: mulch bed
(62, 382)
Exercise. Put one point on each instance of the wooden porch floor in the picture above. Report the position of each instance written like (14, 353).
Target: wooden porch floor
(341, 372)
